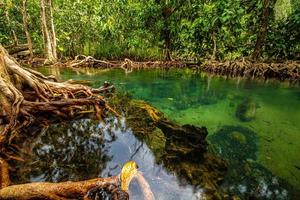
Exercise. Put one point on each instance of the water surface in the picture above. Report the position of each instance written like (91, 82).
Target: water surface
(267, 141)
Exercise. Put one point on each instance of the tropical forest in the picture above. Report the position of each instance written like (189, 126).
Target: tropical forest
(149, 99)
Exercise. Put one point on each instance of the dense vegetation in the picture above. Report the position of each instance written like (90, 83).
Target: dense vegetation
(159, 29)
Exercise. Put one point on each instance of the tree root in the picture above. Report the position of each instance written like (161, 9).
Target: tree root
(289, 70)
(127, 65)
(28, 97)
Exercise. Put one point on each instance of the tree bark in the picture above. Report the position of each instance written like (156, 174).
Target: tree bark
(213, 56)
(261, 35)
(25, 25)
(16, 49)
(166, 33)
(50, 53)
(53, 34)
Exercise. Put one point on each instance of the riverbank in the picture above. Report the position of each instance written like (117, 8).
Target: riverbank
(283, 70)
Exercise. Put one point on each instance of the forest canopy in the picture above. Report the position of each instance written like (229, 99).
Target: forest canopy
(159, 29)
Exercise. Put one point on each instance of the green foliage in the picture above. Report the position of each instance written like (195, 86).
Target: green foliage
(138, 29)
(284, 37)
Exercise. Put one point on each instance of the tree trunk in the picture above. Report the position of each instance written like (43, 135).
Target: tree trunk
(14, 35)
(25, 25)
(166, 33)
(53, 35)
(48, 40)
(167, 39)
(213, 56)
(261, 35)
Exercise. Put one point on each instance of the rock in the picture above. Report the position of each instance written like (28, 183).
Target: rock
(246, 110)
(236, 142)
(238, 137)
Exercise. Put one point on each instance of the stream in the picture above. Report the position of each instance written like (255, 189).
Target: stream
(253, 124)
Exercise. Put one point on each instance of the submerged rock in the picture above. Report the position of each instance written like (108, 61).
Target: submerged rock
(235, 142)
(246, 110)
(245, 176)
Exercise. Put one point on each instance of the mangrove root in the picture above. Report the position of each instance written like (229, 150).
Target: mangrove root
(289, 70)
(127, 65)
(27, 96)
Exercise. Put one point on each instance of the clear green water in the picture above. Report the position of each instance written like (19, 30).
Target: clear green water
(188, 97)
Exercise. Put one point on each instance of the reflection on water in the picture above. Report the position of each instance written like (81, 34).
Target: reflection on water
(86, 149)
(267, 116)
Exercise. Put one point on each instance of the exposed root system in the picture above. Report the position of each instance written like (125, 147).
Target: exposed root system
(28, 98)
(289, 70)
(128, 65)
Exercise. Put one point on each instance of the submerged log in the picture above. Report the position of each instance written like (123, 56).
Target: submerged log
(186, 140)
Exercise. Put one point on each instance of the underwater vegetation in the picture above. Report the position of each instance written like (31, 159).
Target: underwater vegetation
(245, 176)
